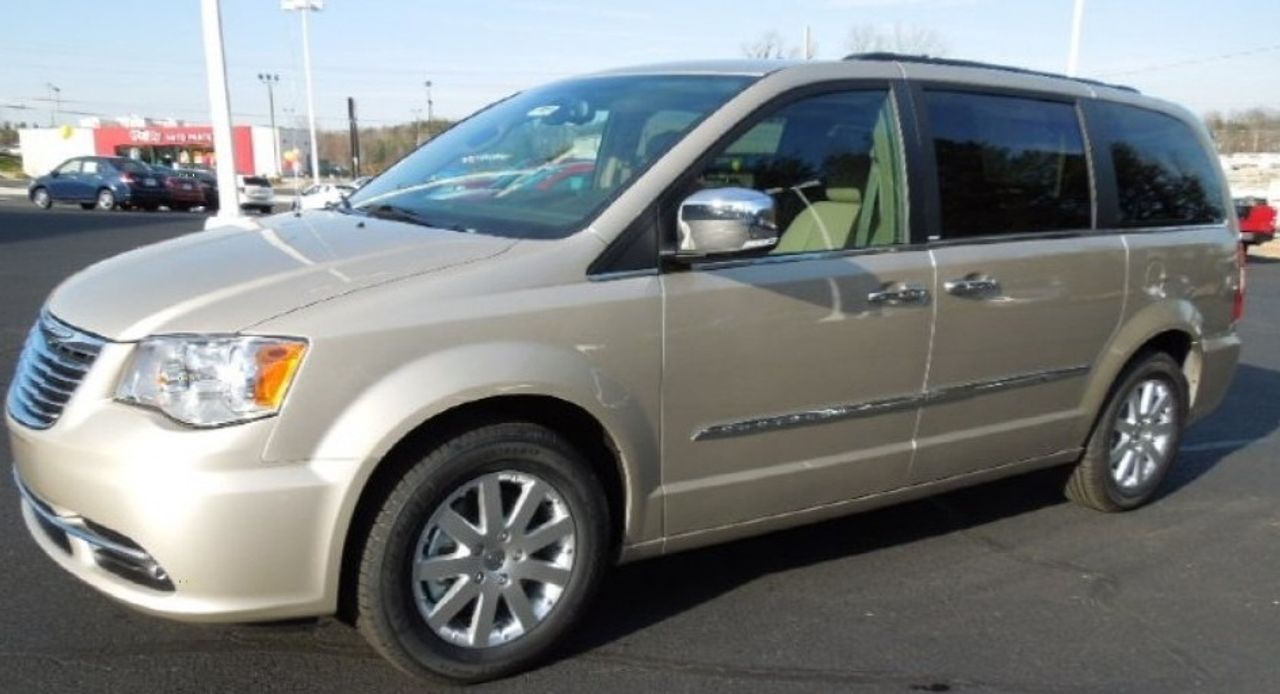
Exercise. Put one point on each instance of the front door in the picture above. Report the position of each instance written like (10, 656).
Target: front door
(1027, 294)
(793, 380)
(65, 186)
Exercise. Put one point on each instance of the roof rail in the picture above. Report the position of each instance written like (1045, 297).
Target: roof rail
(952, 62)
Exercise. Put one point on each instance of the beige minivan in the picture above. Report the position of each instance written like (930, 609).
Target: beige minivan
(624, 315)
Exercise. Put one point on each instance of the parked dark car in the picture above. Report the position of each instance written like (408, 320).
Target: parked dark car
(104, 183)
(207, 181)
(181, 193)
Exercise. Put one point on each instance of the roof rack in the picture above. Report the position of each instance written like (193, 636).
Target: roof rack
(952, 62)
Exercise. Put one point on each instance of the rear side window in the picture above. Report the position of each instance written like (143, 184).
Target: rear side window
(1008, 165)
(1163, 175)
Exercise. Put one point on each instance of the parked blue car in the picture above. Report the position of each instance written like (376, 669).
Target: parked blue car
(99, 182)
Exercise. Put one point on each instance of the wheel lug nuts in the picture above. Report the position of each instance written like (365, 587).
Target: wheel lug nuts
(503, 536)
(479, 577)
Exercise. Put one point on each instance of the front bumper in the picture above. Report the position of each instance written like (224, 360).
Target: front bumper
(184, 523)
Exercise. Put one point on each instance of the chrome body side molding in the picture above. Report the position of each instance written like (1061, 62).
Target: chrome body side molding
(831, 413)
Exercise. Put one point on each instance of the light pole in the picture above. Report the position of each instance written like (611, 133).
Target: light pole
(305, 7)
(55, 103)
(271, 80)
(215, 65)
(417, 125)
(430, 105)
(1073, 57)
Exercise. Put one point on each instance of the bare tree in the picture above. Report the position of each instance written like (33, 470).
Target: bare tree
(769, 46)
(868, 38)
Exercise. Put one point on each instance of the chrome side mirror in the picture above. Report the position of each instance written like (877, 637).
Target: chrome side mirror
(723, 221)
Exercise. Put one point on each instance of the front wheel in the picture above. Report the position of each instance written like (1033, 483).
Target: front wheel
(41, 198)
(1136, 439)
(483, 555)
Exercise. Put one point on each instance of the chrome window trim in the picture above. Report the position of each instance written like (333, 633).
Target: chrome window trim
(831, 413)
(622, 275)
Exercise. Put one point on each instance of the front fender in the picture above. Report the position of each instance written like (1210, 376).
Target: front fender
(387, 409)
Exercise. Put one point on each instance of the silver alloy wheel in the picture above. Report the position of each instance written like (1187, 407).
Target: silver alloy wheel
(1142, 438)
(493, 559)
(106, 199)
(41, 198)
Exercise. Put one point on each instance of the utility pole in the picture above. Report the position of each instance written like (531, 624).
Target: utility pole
(430, 106)
(271, 79)
(305, 7)
(417, 125)
(355, 137)
(1073, 57)
(215, 64)
(55, 103)
(808, 43)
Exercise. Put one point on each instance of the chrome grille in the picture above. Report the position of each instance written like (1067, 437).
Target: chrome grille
(53, 362)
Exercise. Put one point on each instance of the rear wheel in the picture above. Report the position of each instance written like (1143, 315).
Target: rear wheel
(483, 555)
(1136, 439)
(106, 199)
(41, 198)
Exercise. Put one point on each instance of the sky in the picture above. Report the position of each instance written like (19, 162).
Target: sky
(145, 57)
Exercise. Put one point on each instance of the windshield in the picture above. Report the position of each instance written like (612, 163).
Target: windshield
(542, 163)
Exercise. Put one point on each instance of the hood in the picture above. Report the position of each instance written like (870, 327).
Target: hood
(228, 279)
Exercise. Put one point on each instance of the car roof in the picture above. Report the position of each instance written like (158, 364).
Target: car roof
(916, 68)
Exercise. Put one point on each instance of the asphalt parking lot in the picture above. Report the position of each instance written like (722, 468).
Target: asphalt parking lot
(1005, 587)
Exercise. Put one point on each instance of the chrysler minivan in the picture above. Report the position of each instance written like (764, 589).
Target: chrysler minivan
(780, 292)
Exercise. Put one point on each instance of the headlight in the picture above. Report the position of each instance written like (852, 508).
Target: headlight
(208, 380)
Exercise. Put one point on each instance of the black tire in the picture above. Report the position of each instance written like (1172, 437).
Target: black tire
(1093, 482)
(88, 205)
(106, 199)
(387, 610)
(41, 198)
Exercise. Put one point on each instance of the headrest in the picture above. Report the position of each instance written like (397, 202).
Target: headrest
(844, 195)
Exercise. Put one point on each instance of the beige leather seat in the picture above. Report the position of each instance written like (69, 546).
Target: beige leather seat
(823, 225)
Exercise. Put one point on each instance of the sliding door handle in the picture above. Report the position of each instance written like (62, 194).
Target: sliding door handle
(973, 286)
(899, 294)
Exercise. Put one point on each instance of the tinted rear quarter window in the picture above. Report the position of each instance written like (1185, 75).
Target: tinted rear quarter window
(1008, 164)
(1163, 175)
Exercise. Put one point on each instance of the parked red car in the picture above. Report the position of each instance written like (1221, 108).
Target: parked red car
(180, 193)
(1257, 220)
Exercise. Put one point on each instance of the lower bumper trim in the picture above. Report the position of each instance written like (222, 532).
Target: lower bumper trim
(117, 554)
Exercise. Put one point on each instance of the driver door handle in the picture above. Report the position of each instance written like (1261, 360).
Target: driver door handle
(899, 294)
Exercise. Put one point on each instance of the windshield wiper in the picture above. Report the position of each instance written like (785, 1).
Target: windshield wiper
(396, 213)
(343, 205)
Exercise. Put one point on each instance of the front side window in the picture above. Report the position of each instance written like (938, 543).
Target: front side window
(1164, 177)
(542, 163)
(70, 167)
(832, 164)
(1008, 165)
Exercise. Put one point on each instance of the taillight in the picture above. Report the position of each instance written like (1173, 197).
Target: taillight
(1237, 311)
(126, 178)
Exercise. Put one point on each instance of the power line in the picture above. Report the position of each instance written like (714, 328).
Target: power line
(1193, 61)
